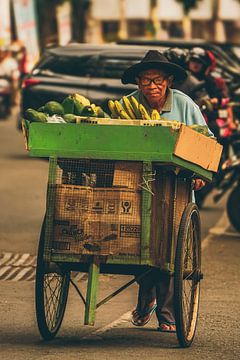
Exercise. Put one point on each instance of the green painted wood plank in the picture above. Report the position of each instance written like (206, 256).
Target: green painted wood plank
(51, 193)
(78, 137)
(91, 298)
(146, 212)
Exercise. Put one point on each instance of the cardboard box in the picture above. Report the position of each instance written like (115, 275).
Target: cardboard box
(198, 148)
(101, 221)
(116, 202)
(73, 202)
(107, 238)
(127, 174)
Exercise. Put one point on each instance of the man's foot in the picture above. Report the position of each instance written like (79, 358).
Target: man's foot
(166, 327)
(139, 319)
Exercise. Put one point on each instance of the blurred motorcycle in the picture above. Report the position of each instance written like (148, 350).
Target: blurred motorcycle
(219, 118)
(231, 180)
(5, 97)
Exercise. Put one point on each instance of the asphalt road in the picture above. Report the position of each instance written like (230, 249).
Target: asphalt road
(23, 191)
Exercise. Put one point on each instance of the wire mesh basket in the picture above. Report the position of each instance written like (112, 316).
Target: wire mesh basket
(98, 208)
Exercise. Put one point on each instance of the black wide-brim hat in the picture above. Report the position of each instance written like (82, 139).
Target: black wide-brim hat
(153, 60)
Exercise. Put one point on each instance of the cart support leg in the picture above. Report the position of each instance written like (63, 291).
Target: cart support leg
(91, 299)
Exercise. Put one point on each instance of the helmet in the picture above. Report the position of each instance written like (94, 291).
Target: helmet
(176, 55)
(205, 57)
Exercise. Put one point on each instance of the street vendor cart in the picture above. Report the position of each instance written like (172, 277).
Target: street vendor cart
(119, 201)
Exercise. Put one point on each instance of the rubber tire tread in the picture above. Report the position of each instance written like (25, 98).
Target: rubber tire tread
(233, 208)
(178, 276)
(44, 330)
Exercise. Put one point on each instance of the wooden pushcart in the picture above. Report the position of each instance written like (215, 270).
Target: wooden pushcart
(119, 201)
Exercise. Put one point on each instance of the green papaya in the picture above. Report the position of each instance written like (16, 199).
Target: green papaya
(88, 111)
(78, 107)
(53, 107)
(68, 105)
(41, 109)
(35, 116)
(69, 118)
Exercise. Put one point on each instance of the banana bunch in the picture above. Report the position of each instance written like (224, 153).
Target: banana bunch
(98, 111)
(131, 109)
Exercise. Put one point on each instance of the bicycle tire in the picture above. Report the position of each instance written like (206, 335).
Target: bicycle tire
(187, 275)
(51, 293)
(233, 208)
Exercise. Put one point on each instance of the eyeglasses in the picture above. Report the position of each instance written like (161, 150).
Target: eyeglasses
(146, 81)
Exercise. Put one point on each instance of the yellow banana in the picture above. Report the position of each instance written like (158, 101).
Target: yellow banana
(99, 111)
(135, 105)
(94, 107)
(124, 115)
(113, 109)
(118, 106)
(143, 111)
(155, 115)
(82, 99)
(129, 108)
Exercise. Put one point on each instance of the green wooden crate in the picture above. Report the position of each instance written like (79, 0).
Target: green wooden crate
(137, 143)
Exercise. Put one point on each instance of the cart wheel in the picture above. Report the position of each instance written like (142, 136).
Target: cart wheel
(51, 291)
(233, 208)
(187, 275)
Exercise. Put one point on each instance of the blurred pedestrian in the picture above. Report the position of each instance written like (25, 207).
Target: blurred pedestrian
(9, 70)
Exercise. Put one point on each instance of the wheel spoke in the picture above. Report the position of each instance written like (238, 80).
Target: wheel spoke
(53, 287)
(186, 279)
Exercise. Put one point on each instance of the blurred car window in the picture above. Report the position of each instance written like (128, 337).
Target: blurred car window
(113, 67)
(74, 66)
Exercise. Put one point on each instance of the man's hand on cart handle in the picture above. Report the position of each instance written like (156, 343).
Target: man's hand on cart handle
(198, 184)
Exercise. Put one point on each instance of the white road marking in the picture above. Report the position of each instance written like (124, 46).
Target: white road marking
(122, 319)
(218, 229)
(13, 259)
(14, 271)
(21, 274)
(32, 261)
(31, 277)
(5, 258)
(4, 270)
(22, 260)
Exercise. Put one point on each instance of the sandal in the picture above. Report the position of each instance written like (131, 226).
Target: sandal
(167, 328)
(139, 319)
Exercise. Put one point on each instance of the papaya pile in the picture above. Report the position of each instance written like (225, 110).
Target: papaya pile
(72, 106)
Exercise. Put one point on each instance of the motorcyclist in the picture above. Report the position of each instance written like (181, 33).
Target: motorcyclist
(201, 63)
(191, 85)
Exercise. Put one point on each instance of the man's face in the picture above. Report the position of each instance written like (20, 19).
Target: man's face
(153, 91)
(195, 66)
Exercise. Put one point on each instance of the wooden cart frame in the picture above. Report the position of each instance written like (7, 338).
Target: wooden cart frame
(152, 146)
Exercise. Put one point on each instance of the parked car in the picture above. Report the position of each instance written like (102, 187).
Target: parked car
(93, 71)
